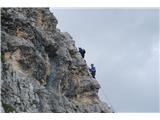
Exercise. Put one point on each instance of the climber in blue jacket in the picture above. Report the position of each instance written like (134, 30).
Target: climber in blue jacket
(93, 70)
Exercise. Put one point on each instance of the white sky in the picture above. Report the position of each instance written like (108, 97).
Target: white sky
(123, 45)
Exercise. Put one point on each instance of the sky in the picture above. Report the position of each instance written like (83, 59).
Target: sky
(123, 45)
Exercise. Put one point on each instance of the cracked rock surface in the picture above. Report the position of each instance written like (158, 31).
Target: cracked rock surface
(42, 70)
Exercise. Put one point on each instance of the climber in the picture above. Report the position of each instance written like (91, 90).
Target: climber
(93, 70)
(82, 51)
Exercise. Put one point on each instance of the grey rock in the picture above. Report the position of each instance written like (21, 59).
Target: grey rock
(42, 70)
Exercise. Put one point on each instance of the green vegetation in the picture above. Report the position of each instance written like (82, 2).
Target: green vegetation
(1, 56)
(8, 108)
(34, 102)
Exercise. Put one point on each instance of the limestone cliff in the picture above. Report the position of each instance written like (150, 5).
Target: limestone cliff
(41, 68)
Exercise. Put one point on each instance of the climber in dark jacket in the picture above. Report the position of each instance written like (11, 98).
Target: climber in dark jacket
(93, 70)
(82, 51)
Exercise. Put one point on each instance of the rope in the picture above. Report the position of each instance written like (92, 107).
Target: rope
(105, 96)
(107, 99)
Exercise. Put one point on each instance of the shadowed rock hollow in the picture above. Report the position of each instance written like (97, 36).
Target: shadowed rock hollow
(42, 70)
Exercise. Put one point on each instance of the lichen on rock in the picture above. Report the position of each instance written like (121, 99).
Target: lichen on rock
(42, 70)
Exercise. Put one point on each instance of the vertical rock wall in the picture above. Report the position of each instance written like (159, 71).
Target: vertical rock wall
(42, 70)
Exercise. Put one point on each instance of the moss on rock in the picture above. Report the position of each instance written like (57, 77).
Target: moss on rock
(7, 108)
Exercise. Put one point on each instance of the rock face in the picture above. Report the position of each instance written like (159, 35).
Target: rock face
(42, 70)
